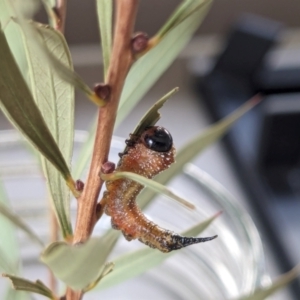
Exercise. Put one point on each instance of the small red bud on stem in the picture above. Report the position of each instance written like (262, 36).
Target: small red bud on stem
(102, 90)
(139, 42)
(79, 185)
(108, 167)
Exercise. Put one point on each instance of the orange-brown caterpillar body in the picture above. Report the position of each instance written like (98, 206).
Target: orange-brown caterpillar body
(148, 155)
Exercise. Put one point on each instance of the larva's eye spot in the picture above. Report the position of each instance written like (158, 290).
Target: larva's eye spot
(157, 139)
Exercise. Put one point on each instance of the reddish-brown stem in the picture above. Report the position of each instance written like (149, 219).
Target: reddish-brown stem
(60, 10)
(120, 62)
(54, 228)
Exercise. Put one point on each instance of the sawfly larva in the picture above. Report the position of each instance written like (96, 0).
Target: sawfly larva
(148, 154)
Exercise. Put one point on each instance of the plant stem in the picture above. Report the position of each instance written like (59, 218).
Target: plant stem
(121, 60)
(61, 9)
(54, 229)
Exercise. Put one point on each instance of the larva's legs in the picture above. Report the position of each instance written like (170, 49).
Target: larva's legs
(100, 208)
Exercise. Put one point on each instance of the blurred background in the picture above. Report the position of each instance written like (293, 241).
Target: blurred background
(242, 47)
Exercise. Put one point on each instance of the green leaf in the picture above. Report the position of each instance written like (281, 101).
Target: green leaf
(135, 263)
(9, 247)
(80, 265)
(12, 294)
(50, 6)
(17, 221)
(264, 292)
(19, 107)
(104, 12)
(13, 35)
(21, 284)
(32, 30)
(158, 188)
(108, 268)
(151, 66)
(152, 115)
(5, 264)
(198, 144)
(184, 11)
(85, 153)
(55, 99)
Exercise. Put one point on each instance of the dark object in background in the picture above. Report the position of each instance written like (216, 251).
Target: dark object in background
(265, 145)
(279, 152)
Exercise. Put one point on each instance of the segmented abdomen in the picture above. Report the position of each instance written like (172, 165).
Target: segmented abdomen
(121, 194)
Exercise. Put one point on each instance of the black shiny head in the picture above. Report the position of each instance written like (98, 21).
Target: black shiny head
(157, 139)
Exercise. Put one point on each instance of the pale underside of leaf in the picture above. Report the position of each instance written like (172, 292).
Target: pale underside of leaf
(135, 263)
(63, 71)
(104, 13)
(13, 35)
(18, 105)
(90, 259)
(55, 99)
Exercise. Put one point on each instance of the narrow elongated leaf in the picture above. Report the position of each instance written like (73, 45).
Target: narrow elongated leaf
(18, 105)
(198, 144)
(152, 115)
(104, 12)
(151, 66)
(108, 268)
(279, 283)
(185, 10)
(5, 264)
(158, 188)
(37, 287)
(80, 265)
(135, 263)
(12, 294)
(17, 221)
(50, 6)
(32, 31)
(146, 71)
(55, 99)
(9, 248)
(13, 35)
(85, 152)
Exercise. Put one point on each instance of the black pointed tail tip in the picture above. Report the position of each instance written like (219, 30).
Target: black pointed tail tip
(179, 242)
(207, 239)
